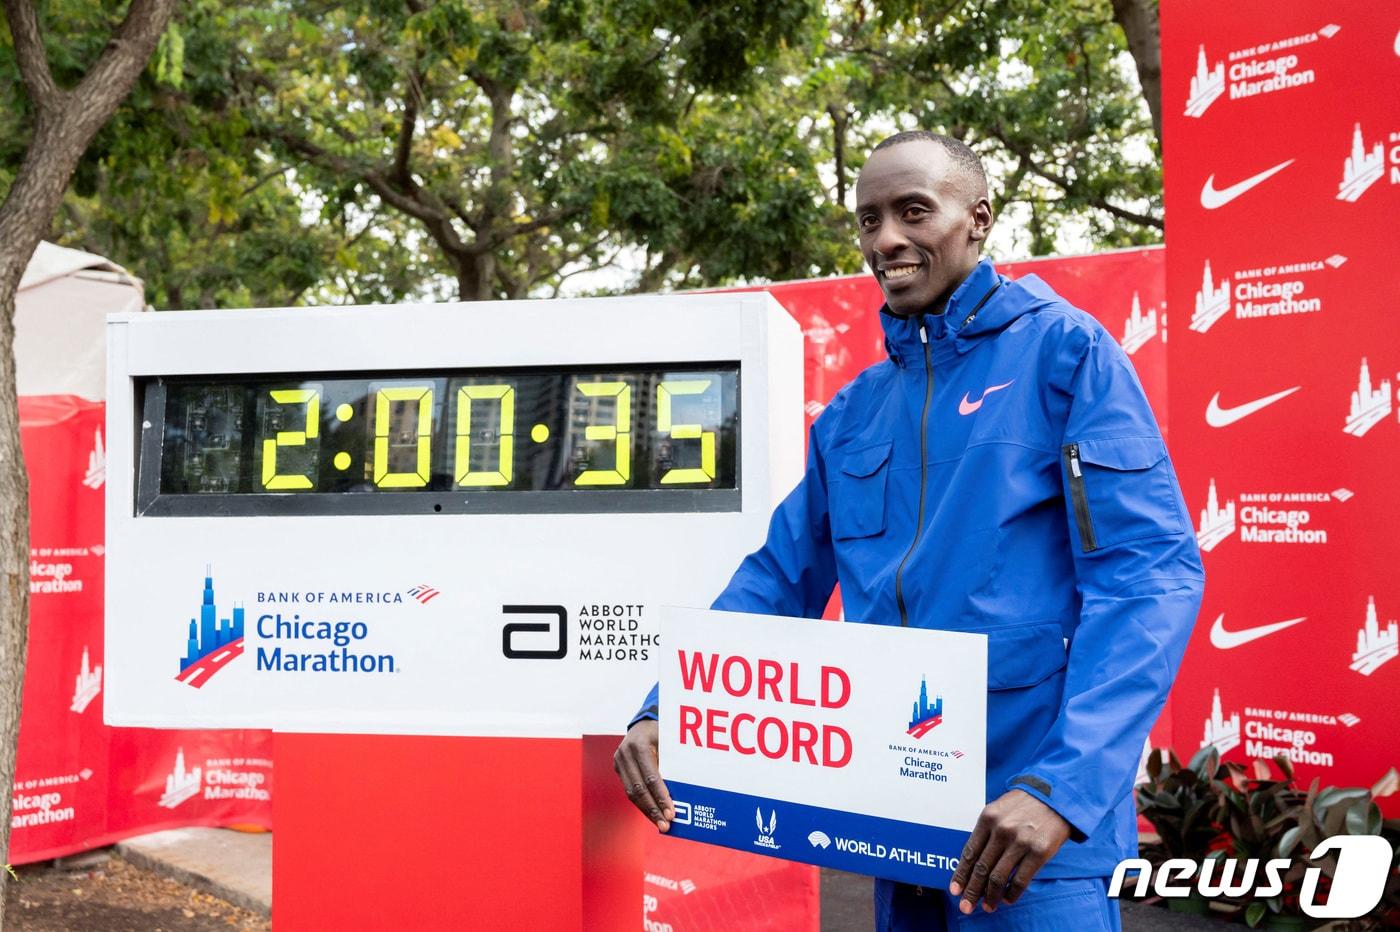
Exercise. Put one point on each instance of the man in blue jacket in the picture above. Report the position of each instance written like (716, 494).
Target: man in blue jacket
(1002, 473)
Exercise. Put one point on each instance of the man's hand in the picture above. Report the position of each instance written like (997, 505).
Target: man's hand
(1013, 839)
(636, 763)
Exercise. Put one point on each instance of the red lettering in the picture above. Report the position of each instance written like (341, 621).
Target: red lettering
(715, 730)
(691, 670)
(740, 719)
(804, 738)
(770, 674)
(781, 750)
(828, 733)
(690, 723)
(796, 699)
(743, 665)
(845, 681)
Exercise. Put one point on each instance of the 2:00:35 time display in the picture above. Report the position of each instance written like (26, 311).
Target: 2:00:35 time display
(659, 428)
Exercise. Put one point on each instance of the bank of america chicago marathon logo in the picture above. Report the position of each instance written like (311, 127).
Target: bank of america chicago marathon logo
(1260, 292)
(1375, 646)
(927, 715)
(1364, 165)
(1298, 734)
(1265, 517)
(180, 784)
(1140, 327)
(213, 643)
(87, 684)
(1260, 69)
(1370, 404)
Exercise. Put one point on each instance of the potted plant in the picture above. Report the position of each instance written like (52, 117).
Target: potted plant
(1225, 811)
(1185, 806)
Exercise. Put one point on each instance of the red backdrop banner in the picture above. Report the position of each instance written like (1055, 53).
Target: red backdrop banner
(78, 783)
(1282, 179)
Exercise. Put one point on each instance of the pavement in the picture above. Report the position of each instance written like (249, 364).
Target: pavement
(234, 866)
(237, 867)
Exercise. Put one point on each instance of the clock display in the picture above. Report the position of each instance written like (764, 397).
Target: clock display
(655, 438)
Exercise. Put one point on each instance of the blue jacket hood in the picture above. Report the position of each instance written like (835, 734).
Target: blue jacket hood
(983, 305)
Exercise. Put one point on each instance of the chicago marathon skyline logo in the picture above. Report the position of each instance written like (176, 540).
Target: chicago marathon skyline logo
(1375, 646)
(1370, 404)
(1266, 517)
(285, 641)
(1261, 292)
(1139, 327)
(212, 643)
(926, 716)
(1254, 70)
(1362, 167)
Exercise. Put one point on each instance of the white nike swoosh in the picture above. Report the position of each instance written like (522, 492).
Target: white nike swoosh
(1211, 198)
(1217, 416)
(1225, 640)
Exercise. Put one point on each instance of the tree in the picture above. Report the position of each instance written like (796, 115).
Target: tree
(529, 141)
(64, 120)
(301, 152)
(1036, 87)
(1144, 34)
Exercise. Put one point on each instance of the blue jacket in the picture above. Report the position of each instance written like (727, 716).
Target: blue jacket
(1002, 473)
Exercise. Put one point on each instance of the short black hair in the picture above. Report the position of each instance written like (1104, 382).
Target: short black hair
(963, 157)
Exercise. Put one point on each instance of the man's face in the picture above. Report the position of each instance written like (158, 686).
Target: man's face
(921, 223)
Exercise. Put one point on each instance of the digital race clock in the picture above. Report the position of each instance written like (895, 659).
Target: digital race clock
(452, 519)
(318, 443)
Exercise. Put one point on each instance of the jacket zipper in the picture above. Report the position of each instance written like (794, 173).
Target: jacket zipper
(923, 476)
(1081, 501)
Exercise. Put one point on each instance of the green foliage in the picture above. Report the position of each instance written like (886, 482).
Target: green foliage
(373, 150)
(1221, 809)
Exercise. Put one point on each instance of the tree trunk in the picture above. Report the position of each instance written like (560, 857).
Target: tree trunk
(1139, 21)
(65, 122)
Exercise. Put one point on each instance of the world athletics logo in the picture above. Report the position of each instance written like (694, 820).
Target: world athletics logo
(926, 717)
(210, 646)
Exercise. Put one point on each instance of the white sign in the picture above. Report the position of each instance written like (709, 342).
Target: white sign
(854, 746)
(280, 556)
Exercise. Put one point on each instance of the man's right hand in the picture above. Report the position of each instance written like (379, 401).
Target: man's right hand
(636, 763)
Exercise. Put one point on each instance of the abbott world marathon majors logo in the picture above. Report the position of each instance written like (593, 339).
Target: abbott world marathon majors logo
(323, 640)
(606, 632)
(1291, 518)
(1261, 292)
(1276, 65)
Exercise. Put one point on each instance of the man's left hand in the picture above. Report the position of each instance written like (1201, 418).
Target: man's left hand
(1012, 840)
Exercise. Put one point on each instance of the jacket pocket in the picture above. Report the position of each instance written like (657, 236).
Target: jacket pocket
(858, 493)
(1120, 490)
(1024, 655)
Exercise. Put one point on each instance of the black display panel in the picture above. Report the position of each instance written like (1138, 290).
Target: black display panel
(565, 439)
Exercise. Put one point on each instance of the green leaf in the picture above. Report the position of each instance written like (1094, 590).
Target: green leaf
(1254, 913)
(1289, 841)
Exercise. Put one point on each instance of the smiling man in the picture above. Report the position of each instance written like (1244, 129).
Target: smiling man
(999, 473)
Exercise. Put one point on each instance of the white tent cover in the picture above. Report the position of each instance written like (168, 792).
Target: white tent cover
(61, 321)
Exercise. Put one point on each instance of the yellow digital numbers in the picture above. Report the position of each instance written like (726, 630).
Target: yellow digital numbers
(705, 472)
(620, 431)
(505, 460)
(423, 432)
(284, 482)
